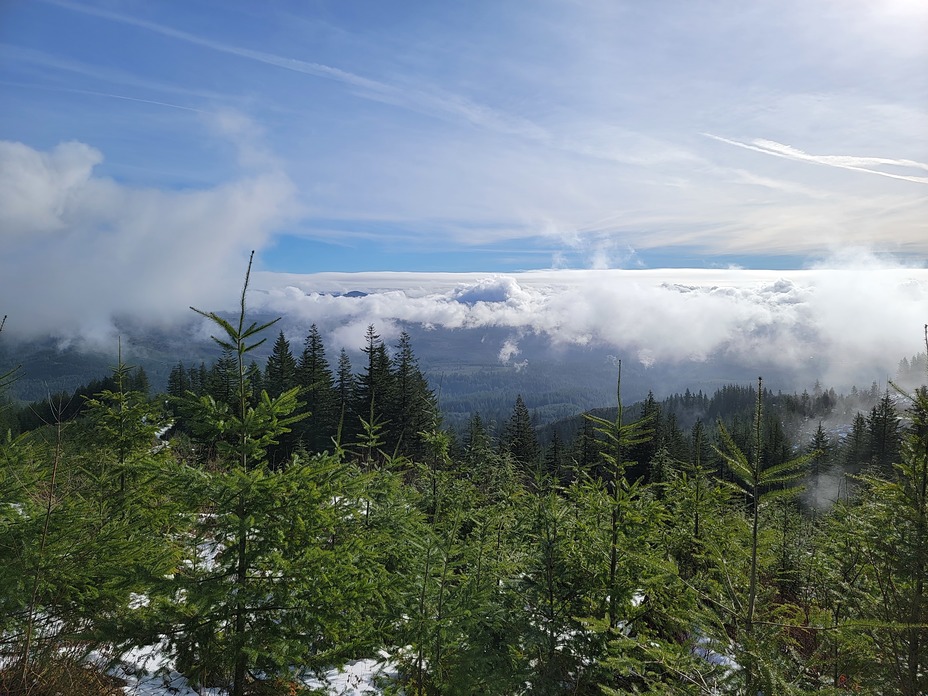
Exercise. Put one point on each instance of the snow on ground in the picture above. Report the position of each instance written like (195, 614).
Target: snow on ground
(149, 671)
(358, 678)
(705, 648)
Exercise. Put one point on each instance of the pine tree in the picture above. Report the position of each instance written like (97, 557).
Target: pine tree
(178, 381)
(618, 439)
(374, 390)
(519, 440)
(280, 373)
(345, 386)
(884, 434)
(412, 409)
(856, 450)
(319, 394)
(760, 482)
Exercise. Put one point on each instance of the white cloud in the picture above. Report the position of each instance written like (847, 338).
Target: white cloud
(854, 163)
(852, 311)
(37, 188)
(81, 250)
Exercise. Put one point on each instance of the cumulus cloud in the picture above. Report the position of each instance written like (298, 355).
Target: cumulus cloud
(81, 250)
(855, 310)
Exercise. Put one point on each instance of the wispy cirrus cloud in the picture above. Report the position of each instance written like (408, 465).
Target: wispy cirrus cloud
(418, 97)
(854, 163)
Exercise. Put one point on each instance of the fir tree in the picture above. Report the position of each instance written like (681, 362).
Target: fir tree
(641, 454)
(855, 453)
(820, 452)
(318, 385)
(220, 381)
(412, 408)
(179, 381)
(884, 433)
(280, 372)
(893, 531)
(554, 460)
(518, 439)
(618, 439)
(89, 530)
(760, 482)
(345, 386)
(374, 386)
(244, 494)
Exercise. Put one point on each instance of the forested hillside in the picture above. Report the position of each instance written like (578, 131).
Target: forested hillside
(262, 521)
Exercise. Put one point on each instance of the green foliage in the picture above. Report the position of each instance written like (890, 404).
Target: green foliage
(311, 585)
(617, 439)
(893, 539)
(280, 372)
(318, 391)
(82, 530)
(518, 439)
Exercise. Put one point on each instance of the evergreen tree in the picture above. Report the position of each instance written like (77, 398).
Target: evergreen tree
(554, 460)
(477, 444)
(220, 381)
(178, 381)
(345, 386)
(491, 472)
(674, 439)
(318, 385)
(759, 481)
(893, 531)
(518, 439)
(374, 386)
(820, 451)
(641, 454)
(618, 439)
(93, 522)
(856, 450)
(412, 409)
(585, 451)
(280, 372)
(240, 632)
(884, 434)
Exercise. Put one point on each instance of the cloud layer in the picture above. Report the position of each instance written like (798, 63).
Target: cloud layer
(852, 312)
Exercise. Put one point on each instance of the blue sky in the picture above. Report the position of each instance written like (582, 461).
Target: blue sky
(483, 136)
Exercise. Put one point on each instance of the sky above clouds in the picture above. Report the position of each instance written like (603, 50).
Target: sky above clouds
(146, 147)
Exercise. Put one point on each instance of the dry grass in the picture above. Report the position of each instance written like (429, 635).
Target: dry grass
(58, 677)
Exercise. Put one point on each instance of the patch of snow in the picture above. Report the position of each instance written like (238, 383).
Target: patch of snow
(357, 678)
(149, 671)
(705, 649)
(137, 601)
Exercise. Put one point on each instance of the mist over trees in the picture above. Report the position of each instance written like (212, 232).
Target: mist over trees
(267, 518)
